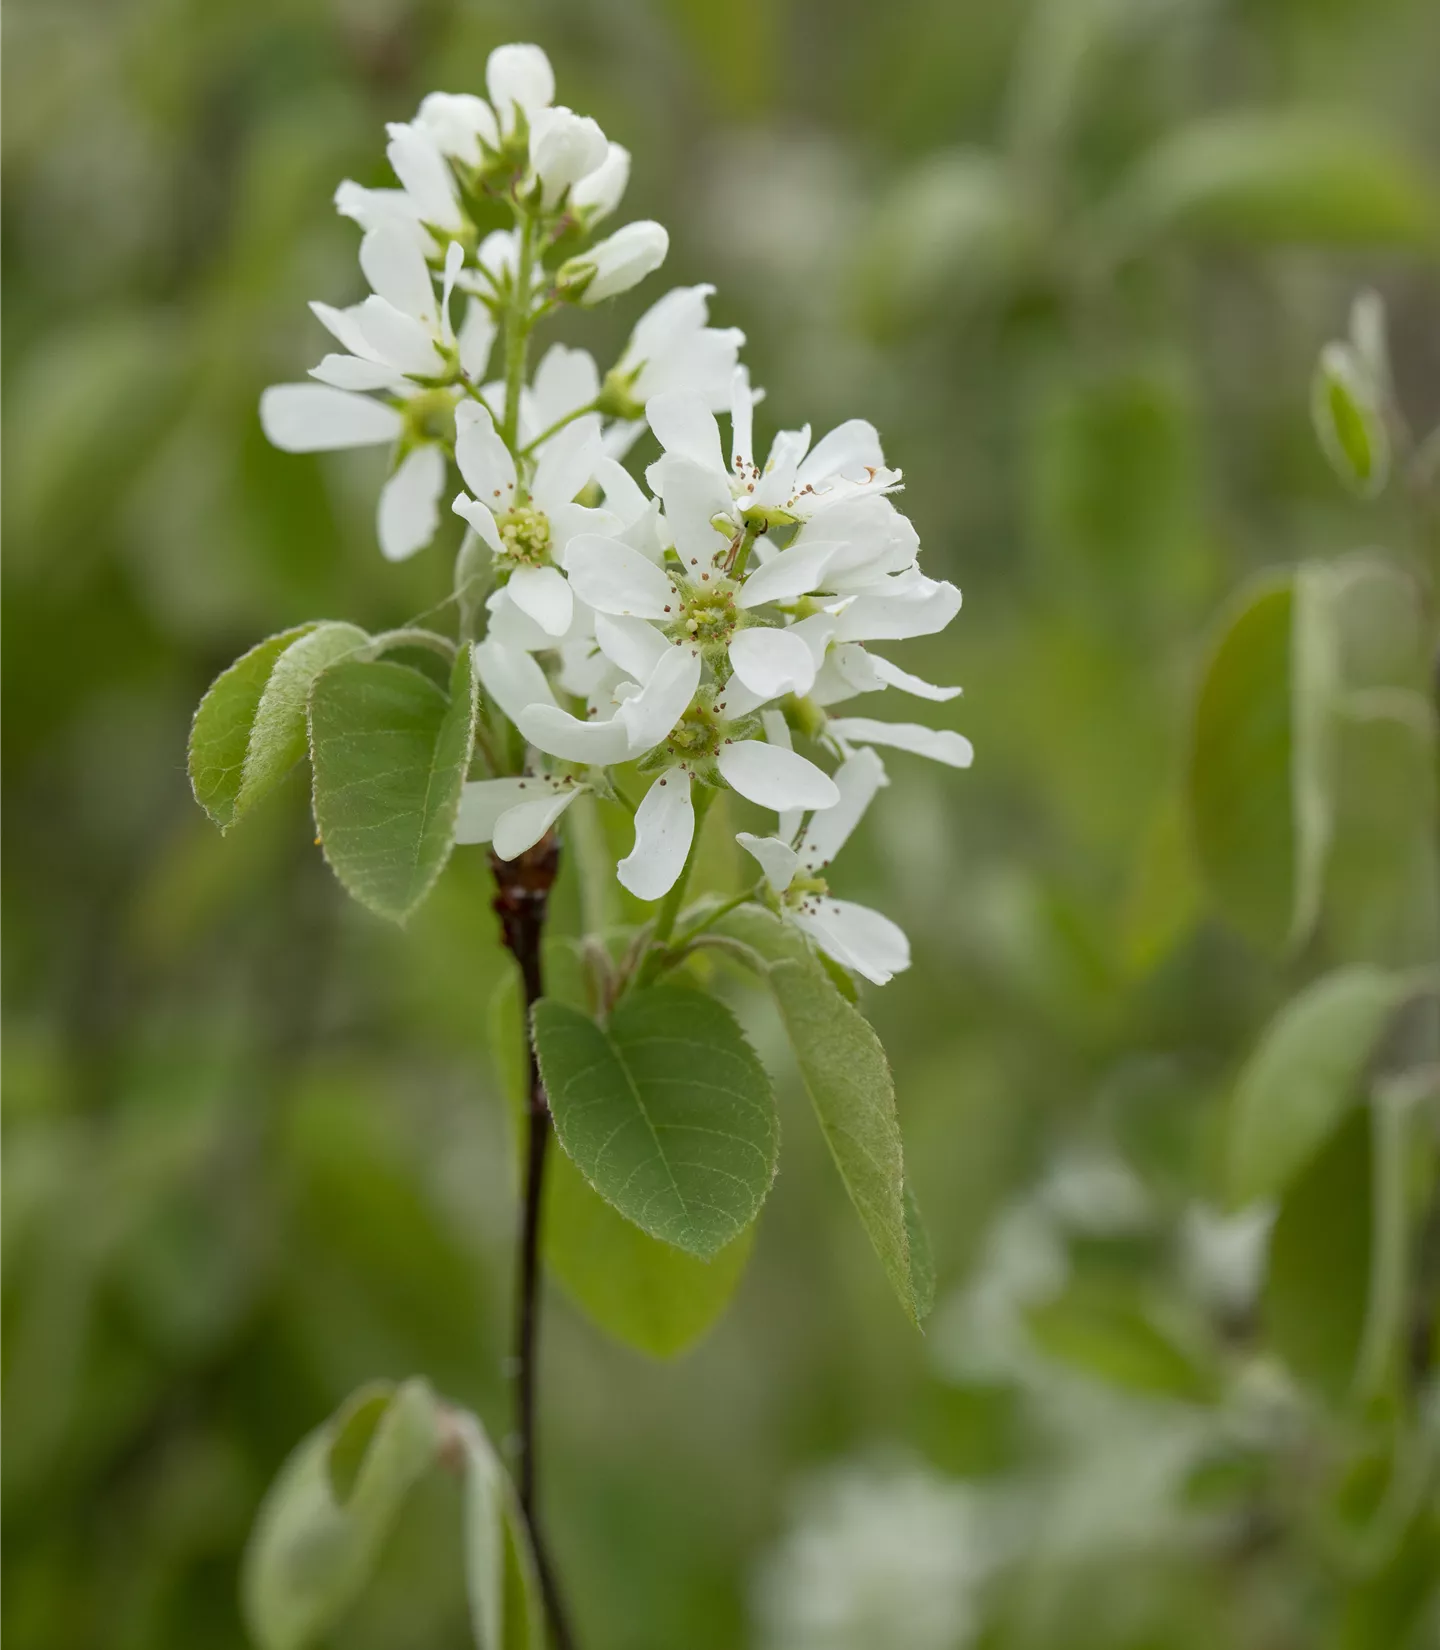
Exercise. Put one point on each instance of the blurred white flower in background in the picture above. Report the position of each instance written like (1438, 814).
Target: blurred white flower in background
(879, 1557)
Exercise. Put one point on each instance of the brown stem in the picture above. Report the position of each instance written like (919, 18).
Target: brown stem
(522, 897)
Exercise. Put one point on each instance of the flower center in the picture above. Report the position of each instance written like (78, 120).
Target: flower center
(708, 617)
(525, 534)
(429, 416)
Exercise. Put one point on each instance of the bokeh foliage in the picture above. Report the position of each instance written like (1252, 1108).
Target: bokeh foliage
(1076, 260)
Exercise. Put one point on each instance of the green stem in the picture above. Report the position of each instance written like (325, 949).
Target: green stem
(556, 427)
(712, 917)
(742, 555)
(517, 331)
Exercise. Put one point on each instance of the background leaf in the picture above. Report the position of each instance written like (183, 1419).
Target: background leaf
(1279, 176)
(666, 1110)
(390, 754)
(1241, 811)
(311, 1554)
(1317, 1285)
(1305, 1074)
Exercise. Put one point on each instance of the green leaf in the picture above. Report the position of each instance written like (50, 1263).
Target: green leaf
(666, 1111)
(390, 754)
(847, 1077)
(922, 1259)
(278, 734)
(501, 1582)
(1349, 421)
(646, 1293)
(1120, 1343)
(1281, 177)
(1314, 1304)
(1240, 779)
(220, 733)
(312, 1552)
(1304, 1076)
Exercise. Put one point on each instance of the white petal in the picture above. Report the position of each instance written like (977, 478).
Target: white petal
(775, 777)
(522, 827)
(663, 700)
(397, 271)
(516, 629)
(543, 593)
(419, 165)
(564, 147)
(313, 418)
(848, 669)
(778, 482)
(777, 731)
(742, 422)
(567, 462)
(920, 610)
(476, 340)
(344, 325)
(600, 193)
(622, 492)
(664, 830)
(632, 644)
(849, 449)
(857, 780)
(409, 510)
(794, 572)
(778, 859)
(400, 339)
(569, 522)
(694, 496)
(556, 732)
(566, 380)
(512, 679)
(483, 457)
(684, 425)
(351, 372)
(613, 578)
(482, 801)
(667, 324)
(857, 937)
(941, 744)
(772, 662)
(481, 519)
(459, 122)
(372, 207)
(893, 676)
(519, 75)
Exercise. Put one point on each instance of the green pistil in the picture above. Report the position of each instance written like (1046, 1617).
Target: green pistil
(708, 617)
(804, 889)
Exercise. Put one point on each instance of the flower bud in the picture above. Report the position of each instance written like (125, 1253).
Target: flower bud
(599, 194)
(459, 123)
(615, 264)
(519, 77)
(564, 147)
(1350, 421)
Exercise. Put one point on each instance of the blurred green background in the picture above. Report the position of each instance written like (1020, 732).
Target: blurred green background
(1075, 261)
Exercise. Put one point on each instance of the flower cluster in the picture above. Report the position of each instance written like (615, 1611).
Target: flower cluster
(680, 634)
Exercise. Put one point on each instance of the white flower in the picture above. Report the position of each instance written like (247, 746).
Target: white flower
(397, 339)
(564, 148)
(854, 935)
(520, 82)
(673, 349)
(598, 194)
(528, 529)
(710, 504)
(619, 262)
(372, 208)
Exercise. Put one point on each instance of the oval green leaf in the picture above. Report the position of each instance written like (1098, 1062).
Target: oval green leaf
(665, 1110)
(390, 754)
